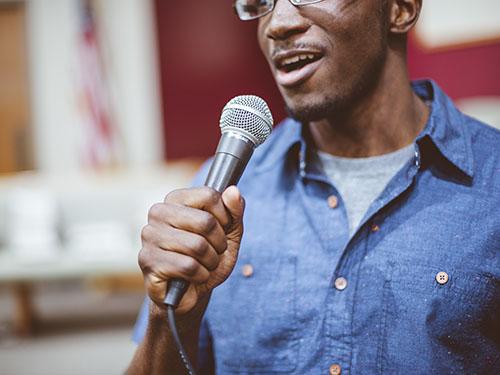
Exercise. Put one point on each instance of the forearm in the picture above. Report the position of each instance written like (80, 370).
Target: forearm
(157, 353)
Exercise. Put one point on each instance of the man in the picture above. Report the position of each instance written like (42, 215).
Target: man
(371, 222)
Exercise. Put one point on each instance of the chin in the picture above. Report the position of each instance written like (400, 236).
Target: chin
(308, 111)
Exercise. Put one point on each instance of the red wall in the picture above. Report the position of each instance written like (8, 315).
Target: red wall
(461, 72)
(207, 56)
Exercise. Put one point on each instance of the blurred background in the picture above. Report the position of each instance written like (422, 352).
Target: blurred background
(107, 105)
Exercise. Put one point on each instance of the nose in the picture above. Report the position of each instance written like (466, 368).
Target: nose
(285, 21)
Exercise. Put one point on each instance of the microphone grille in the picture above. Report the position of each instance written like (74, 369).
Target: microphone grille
(248, 115)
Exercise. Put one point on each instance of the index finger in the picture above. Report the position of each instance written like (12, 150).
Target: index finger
(203, 198)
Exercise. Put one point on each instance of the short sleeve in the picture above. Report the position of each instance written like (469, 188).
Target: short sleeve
(206, 360)
(201, 176)
(141, 324)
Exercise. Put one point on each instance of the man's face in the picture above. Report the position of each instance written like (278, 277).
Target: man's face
(324, 56)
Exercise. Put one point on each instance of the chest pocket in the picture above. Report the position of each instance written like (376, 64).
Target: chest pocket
(253, 318)
(451, 314)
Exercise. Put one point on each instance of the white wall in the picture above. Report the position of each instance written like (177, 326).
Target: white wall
(127, 28)
(455, 22)
(129, 33)
(52, 38)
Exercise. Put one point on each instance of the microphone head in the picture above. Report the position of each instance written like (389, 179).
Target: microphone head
(249, 116)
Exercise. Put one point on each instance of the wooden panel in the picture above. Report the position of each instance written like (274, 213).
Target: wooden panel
(15, 139)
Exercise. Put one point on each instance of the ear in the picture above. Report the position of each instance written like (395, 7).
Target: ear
(403, 15)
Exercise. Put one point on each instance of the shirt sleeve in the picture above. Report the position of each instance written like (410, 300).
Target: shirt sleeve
(206, 359)
(141, 324)
(202, 174)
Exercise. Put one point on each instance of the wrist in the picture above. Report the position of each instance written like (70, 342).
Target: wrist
(158, 313)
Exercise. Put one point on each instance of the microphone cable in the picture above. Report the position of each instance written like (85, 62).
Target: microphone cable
(175, 334)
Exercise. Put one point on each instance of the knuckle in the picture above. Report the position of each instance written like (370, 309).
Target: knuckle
(155, 289)
(156, 210)
(189, 266)
(214, 263)
(147, 233)
(204, 276)
(210, 196)
(199, 246)
(143, 260)
(174, 195)
(207, 223)
(221, 247)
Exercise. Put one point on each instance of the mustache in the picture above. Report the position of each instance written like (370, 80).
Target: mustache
(292, 46)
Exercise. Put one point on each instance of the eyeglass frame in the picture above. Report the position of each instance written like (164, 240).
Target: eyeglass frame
(293, 2)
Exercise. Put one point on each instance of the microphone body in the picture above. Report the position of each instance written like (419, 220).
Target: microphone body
(246, 122)
(231, 158)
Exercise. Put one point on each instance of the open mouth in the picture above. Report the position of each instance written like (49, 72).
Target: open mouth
(295, 67)
(297, 62)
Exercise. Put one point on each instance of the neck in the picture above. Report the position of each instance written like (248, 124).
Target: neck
(383, 121)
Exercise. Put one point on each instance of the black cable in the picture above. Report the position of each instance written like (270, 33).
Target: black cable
(178, 343)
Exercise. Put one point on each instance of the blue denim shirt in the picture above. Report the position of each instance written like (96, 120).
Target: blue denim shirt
(416, 290)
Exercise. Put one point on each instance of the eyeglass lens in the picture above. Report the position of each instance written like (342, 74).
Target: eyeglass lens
(252, 9)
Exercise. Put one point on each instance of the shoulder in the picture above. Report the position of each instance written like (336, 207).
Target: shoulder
(482, 133)
(485, 147)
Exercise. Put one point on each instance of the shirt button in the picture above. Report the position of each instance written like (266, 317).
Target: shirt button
(375, 228)
(247, 270)
(335, 370)
(442, 277)
(333, 201)
(340, 283)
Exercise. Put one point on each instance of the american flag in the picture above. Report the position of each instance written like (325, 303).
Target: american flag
(100, 138)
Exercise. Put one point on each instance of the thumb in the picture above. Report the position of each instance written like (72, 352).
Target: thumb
(235, 204)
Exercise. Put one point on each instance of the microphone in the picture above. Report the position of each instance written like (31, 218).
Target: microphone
(245, 124)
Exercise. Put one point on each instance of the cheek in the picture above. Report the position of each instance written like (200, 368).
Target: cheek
(351, 25)
(353, 49)
(261, 37)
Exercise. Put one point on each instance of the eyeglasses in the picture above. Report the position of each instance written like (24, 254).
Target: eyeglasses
(252, 9)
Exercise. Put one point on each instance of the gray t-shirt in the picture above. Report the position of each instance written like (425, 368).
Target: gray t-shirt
(361, 180)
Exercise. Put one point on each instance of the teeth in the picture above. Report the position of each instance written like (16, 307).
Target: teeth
(291, 60)
(295, 59)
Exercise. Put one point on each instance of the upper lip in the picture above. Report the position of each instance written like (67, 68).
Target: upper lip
(280, 57)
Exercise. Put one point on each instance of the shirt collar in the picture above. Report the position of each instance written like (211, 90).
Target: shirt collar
(445, 128)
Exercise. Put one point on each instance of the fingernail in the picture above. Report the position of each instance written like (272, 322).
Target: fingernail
(236, 190)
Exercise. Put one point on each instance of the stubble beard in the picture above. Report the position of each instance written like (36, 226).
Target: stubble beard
(340, 101)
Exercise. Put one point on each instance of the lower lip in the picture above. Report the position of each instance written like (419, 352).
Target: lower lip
(296, 77)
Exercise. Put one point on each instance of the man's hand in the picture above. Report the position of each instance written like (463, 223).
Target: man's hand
(194, 235)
